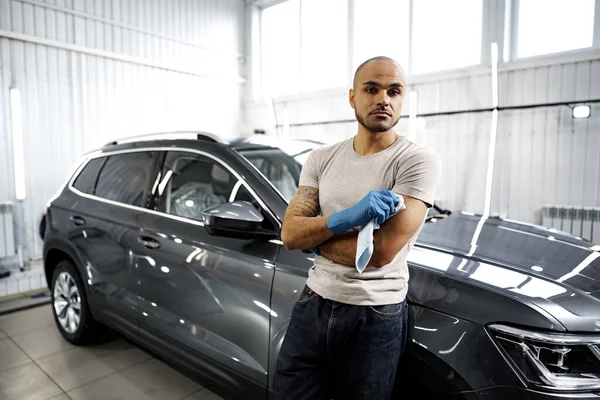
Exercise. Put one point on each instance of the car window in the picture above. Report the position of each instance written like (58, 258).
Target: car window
(301, 158)
(86, 180)
(191, 183)
(278, 167)
(124, 178)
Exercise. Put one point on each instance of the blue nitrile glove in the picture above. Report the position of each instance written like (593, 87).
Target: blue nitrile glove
(379, 204)
(365, 245)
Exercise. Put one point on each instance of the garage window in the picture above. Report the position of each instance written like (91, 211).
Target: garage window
(324, 56)
(281, 49)
(551, 26)
(389, 38)
(457, 38)
(304, 46)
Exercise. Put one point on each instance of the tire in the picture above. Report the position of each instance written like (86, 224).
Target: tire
(42, 227)
(70, 307)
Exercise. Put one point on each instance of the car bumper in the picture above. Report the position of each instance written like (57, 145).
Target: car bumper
(515, 393)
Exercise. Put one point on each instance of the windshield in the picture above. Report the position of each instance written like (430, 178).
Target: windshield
(279, 167)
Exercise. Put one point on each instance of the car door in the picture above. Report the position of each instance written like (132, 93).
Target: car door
(209, 295)
(105, 219)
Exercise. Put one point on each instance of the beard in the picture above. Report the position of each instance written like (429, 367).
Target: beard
(375, 126)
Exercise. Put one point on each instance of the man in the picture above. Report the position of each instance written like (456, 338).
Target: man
(348, 329)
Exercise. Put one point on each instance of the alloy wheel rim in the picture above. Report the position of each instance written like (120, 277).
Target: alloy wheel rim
(67, 302)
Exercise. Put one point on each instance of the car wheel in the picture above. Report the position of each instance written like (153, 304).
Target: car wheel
(70, 307)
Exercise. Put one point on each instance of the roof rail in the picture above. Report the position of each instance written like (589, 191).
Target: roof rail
(189, 135)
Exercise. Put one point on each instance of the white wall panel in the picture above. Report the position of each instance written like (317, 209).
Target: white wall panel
(547, 158)
(76, 99)
(6, 153)
(459, 140)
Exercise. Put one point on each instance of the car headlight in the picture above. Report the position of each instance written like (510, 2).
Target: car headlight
(552, 361)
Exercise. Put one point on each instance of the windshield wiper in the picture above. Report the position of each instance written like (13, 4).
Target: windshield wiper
(302, 152)
(441, 210)
(441, 213)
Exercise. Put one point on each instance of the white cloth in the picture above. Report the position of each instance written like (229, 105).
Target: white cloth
(365, 246)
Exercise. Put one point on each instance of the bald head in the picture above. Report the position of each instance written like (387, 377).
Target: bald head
(374, 60)
(377, 94)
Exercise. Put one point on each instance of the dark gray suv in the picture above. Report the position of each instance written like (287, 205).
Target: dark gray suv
(174, 241)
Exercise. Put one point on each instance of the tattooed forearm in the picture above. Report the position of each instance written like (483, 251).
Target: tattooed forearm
(302, 227)
(305, 203)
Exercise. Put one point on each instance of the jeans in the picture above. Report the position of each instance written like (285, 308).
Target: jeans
(339, 351)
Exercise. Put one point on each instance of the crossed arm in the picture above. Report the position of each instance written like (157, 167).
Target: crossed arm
(304, 229)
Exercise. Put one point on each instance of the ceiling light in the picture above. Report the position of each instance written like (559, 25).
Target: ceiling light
(581, 111)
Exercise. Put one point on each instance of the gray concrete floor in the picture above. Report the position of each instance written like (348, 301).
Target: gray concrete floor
(36, 363)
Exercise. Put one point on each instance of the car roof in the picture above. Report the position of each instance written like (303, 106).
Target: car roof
(262, 141)
(174, 135)
(201, 139)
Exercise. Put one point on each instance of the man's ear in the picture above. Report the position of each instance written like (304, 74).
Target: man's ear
(351, 98)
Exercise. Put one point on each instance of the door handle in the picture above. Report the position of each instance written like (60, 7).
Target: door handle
(78, 220)
(148, 242)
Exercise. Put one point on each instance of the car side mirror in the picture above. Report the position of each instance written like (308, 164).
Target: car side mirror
(238, 220)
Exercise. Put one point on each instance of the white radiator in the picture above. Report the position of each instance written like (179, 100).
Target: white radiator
(7, 237)
(580, 221)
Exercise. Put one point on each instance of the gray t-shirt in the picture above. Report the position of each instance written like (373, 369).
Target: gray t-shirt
(343, 178)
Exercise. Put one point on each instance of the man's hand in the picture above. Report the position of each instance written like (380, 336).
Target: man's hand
(379, 204)
(302, 228)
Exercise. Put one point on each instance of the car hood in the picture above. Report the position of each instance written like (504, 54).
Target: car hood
(555, 270)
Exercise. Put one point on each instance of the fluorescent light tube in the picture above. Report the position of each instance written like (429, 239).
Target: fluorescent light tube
(17, 139)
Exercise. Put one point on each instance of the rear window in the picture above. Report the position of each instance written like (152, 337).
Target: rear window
(124, 178)
(86, 180)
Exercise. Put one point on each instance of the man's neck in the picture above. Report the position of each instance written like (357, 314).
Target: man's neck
(367, 143)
